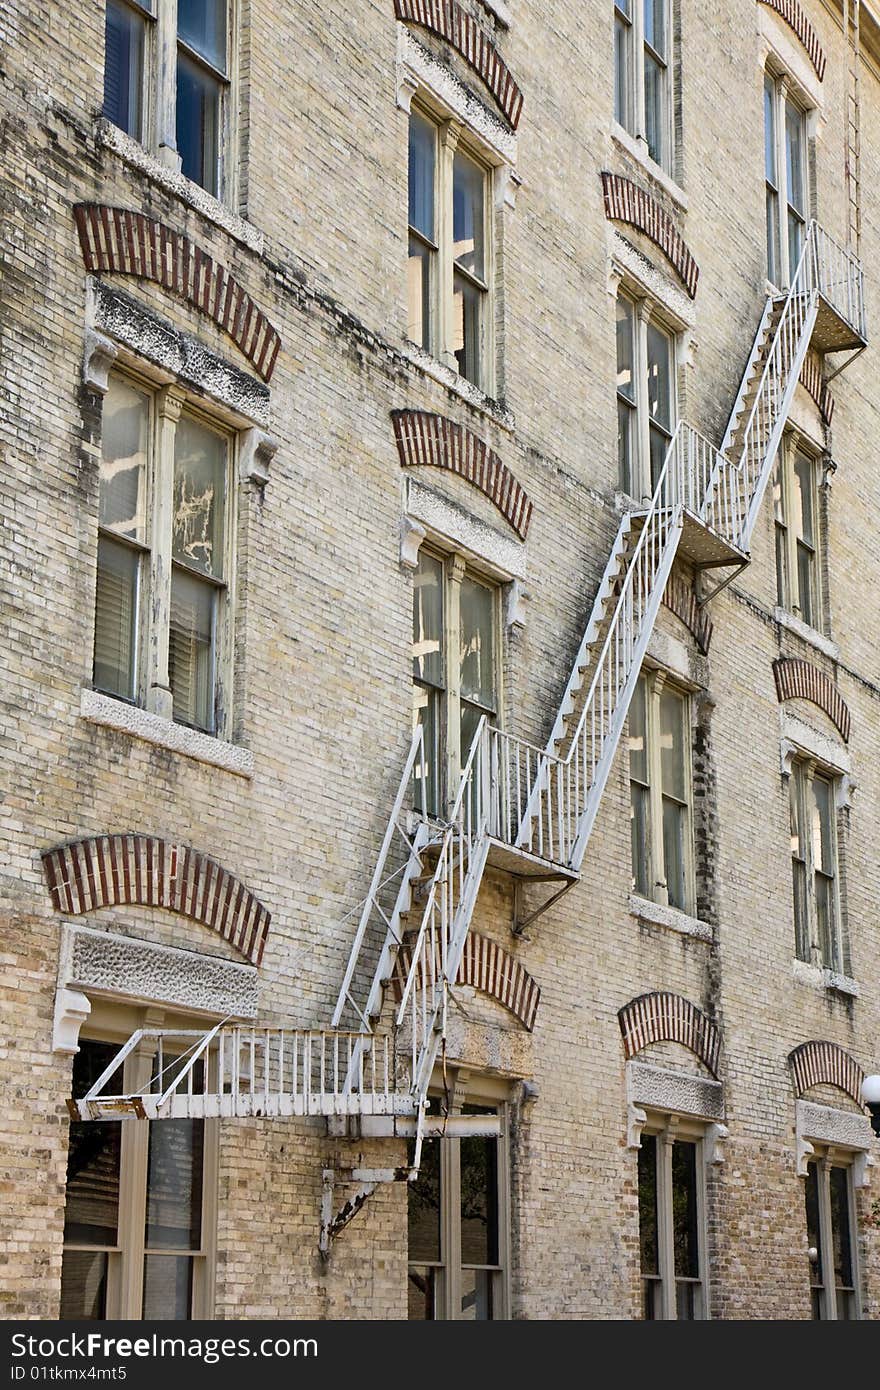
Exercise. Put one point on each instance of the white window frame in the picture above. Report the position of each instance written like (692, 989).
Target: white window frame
(158, 132)
(825, 1294)
(788, 533)
(645, 312)
(655, 680)
(630, 41)
(489, 1092)
(778, 86)
(451, 136)
(456, 567)
(808, 946)
(125, 1260)
(668, 1130)
(152, 690)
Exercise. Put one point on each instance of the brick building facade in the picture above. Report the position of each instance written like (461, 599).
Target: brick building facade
(341, 348)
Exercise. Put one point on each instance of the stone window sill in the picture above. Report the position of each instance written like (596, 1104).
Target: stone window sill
(806, 633)
(635, 150)
(459, 386)
(661, 915)
(821, 978)
(111, 137)
(177, 738)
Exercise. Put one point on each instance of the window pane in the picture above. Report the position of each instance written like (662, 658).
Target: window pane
(672, 744)
(423, 1291)
(467, 314)
(655, 25)
(428, 620)
(655, 108)
(684, 1210)
(124, 32)
(198, 532)
(640, 844)
(191, 651)
(806, 563)
(622, 39)
(625, 351)
(168, 1284)
(638, 753)
(795, 146)
(770, 132)
(795, 242)
(660, 376)
(423, 1204)
(798, 866)
(468, 215)
(841, 1234)
(674, 861)
(422, 144)
(648, 1224)
(198, 122)
(124, 445)
(477, 1287)
(174, 1185)
(91, 1215)
(426, 711)
(773, 268)
(418, 289)
(84, 1282)
(202, 24)
(116, 601)
(626, 425)
(479, 1201)
(821, 826)
(477, 643)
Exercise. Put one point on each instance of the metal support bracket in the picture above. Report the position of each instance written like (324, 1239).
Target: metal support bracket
(848, 363)
(519, 923)
(367, 1180)
(701, 602)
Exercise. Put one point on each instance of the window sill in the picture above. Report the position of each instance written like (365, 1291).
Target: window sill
(459, 386)
(661, 915)
(177, 738)
(111, 137)
(821, 978)
(806, 633)
(631, 146)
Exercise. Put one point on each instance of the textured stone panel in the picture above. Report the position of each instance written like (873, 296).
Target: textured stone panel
(675, 1091)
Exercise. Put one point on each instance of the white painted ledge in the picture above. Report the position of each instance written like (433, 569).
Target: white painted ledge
(627, 142)
(806, 633)
(111, 137)
(661, 915)
(140, 723)
(459, 386)
(820, 978)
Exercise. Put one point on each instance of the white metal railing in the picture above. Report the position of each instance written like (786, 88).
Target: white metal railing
(234, 1071)
(838, 276)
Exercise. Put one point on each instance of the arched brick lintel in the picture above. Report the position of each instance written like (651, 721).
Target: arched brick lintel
(144, 871)
(800, 680)
(626, 202)
(489, 968)
(820, 1063)
(665, 1017)
(448, 20)
(797, 21)
(681, 600)
(121, 242)
(432, 441)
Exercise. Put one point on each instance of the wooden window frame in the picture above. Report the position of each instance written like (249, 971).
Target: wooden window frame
(784, 97)
(152, 690)
(668, 1130)
(808, 946)
(644, 313)
(125, 1260)
(453, 136)
(656, 680)
(487, 1092)
(634, 107)
(824, 1159)
(159, 95)
(788, 533)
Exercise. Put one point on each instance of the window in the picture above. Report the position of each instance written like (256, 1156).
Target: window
(189, 111)
(162, 605)
(785, 175)
(645, 395)
(661, 816)
(642, 75)
(458, 1226)
(796, 513)
(672, 1226)
(138, 1223)
(831, 1238)
(456, 628)
(817, 928)
(449, 271)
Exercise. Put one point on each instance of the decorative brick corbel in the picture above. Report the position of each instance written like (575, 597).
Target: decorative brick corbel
(411, 536)
(98, 358)
(713, 1143)
(256, 453)
(515, 598)
(507, 185)
(72, 1008)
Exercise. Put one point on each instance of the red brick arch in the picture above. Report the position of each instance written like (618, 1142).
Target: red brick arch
(450, 21)
(820, 1063)
(122, 242)
(142, 870)
(664, 1017)
(797, 21)
(490, 969)
(801, 680)
(625, 201)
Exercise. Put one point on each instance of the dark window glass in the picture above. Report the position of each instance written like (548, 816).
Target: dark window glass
(91, 1215)
(479, 1201)
(124, 32)
(198, 122)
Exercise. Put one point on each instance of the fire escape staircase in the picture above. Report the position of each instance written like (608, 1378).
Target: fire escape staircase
(527, 810)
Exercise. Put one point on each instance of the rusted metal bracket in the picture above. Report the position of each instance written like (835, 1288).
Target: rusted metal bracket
(367, 1180)
(520, 923)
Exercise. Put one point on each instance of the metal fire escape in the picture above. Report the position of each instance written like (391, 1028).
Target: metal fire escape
(526, 810)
